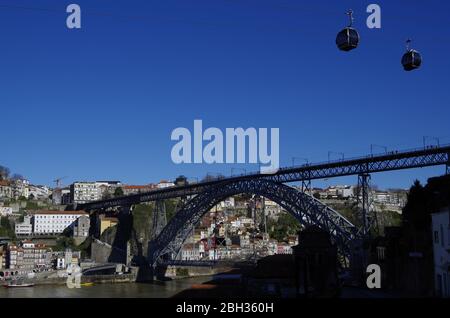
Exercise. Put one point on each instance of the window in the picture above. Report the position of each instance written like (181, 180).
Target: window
(445, 290)
(436, 237)
(442, 236)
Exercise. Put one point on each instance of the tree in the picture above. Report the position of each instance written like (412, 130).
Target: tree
(6, 228)
(106, 196)
(415, 211)
(17, 176)
(285, 226)
(118, 192)
(64, 242)
(4, 173)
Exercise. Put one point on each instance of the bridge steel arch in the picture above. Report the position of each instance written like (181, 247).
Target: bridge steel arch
(305, 208)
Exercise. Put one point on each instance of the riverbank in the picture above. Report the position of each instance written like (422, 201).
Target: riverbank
(154, 289)
(97, 279)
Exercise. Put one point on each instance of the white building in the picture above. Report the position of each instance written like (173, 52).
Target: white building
(5, 189)
(39, 192)
(271, 208)
(54, 222)
(345, 191)
(165, 184)
(6, 211)
(26, 227)
(61, 196)
(225, 204)
(283, 248)
(395, 198)
(20, 188)
(190, 252)
(82, 192)
(441, 249)
(337, 192)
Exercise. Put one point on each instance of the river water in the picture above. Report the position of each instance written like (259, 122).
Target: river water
(124, 290)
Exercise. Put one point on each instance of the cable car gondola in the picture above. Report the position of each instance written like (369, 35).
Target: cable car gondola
(412, 59)
(348, 38)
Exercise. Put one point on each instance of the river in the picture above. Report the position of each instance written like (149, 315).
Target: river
(124, 290)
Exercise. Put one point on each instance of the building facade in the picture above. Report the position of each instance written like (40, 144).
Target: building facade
(107, 222)
(28, 256)
(81, 227)
(83, 192)
(135, 189)
(5, 189)
(441, 251)
(39, 192)
(20, 188)
(54, 222)
(6, 211)
(25, 227)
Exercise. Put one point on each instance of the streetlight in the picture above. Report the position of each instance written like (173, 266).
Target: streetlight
(337, 153)
(425, 138)
(195, 178)
(299, 158)
(379, 146)
(213, 176)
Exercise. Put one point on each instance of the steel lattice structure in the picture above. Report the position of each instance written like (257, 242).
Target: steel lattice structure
(370, 164)
(305, 208)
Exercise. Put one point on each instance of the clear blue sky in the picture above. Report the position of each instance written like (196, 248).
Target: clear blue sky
(101, 102)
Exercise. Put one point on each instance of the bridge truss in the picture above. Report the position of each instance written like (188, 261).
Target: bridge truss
(365, 165)
(305, 208)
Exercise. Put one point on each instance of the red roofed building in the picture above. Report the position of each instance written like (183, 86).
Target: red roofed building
(28, 256)
(135, 189)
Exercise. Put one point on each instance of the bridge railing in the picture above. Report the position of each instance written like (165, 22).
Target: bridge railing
(195, 188)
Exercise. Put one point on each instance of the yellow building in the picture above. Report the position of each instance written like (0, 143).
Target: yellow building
(106, 223)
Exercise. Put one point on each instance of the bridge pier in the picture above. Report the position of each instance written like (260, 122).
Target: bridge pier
(368, 217)
(148, 270)
(94, 228)
(120, 252)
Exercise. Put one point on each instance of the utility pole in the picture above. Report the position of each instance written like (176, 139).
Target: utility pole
(215, 234)
(264, 214)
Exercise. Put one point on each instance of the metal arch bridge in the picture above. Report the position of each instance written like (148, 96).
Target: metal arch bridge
(306, 209)
(417, 158)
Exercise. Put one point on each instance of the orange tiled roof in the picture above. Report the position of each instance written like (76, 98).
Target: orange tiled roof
(130, 187)
(47, 212)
